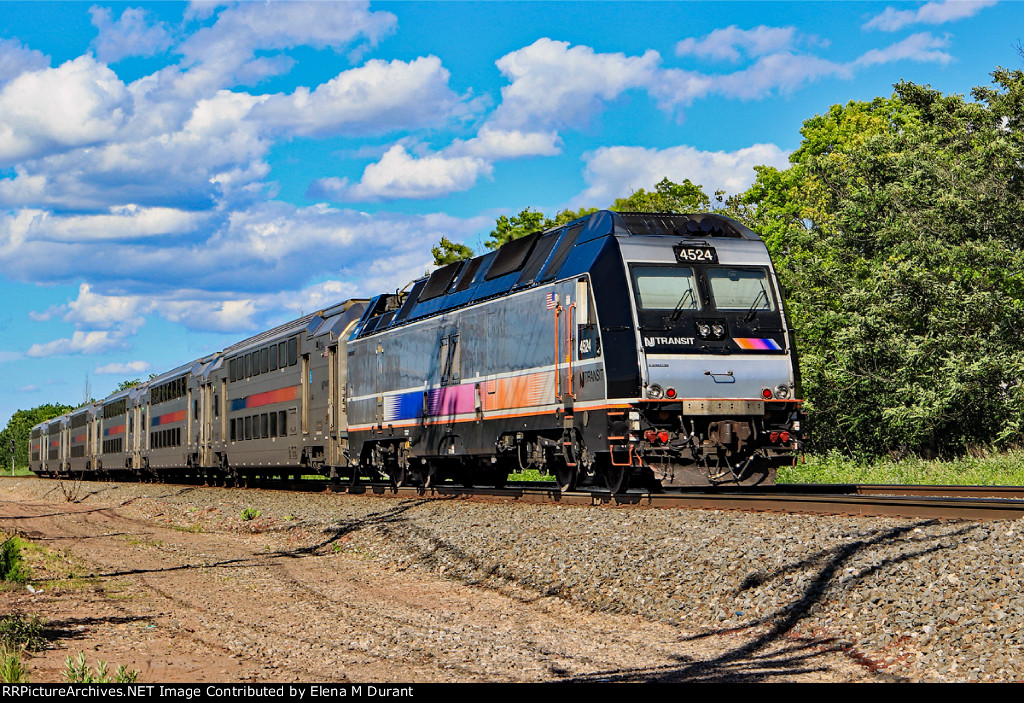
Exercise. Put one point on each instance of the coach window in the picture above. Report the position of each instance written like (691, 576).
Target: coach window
(248, 427)
(256, 363)
(282, 354)
(282, 427)
(273, 357)
(293, 351)
(265, 359)
(264, 426)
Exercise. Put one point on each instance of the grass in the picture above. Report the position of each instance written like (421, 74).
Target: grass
(78, 671)
(977, 468)
(18, 635)
(530, 475)
(11, 668)
(250, 514)
(12, 568)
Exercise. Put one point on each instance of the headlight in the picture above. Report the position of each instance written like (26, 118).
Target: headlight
(718, 330)
(654, 391)
(703, 329)
(782, 392)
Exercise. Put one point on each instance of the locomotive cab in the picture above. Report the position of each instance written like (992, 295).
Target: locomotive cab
(718, 387)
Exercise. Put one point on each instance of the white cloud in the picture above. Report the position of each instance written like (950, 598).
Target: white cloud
(225, 52)
(400, 175)
(891, 19)
(80, 102)
(130, 35)
(29, 389)
(726, 43)
(126, 368)
(491, 144)
(94, 342)
(6, 356)
(377, 97)
(553, 84)
(916, 47)
(615, 172)
(15, 59)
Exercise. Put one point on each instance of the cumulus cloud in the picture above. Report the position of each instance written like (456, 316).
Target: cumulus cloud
(16, 59)
(81, 102)
(492, 144)
(891, 19)
(377, 97)
(399, 174)
(94, 342)
(130, 35)
(727, 43)
(226, 51)
(615, 172)
(126, 368)
(555, 84)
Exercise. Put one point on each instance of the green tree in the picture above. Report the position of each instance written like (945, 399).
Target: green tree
(666, 197)
(125, 385)
(448, 252)
(897, 231)
(20, 426)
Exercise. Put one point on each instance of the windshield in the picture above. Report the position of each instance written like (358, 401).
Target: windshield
(740, 289)
(666, 288)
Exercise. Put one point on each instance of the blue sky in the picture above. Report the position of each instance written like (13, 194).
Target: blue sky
(175, 177)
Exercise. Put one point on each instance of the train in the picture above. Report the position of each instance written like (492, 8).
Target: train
(619, 350)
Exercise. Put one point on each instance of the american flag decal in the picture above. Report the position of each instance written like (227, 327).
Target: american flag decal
(552, 301)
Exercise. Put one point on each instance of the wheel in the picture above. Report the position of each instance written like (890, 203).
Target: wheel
(399, 476)
(565, 477)
(616, 478)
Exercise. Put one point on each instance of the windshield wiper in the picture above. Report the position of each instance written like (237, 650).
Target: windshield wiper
(679, 306)
(752, 311)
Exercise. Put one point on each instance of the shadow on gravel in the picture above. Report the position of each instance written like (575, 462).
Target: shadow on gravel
(78, 628)
(778, 651)
(393, 514)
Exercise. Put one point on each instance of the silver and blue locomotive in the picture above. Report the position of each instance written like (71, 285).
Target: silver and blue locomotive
(619, 349)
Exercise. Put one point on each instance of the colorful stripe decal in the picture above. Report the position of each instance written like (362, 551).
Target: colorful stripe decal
(178, 416)
(528, 390)
(281, 395)
(116, 429)
(757, 343)
(78, 438)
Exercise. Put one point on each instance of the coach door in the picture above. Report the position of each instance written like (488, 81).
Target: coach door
(206, 424)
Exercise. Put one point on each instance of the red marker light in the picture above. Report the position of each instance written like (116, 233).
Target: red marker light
(766, 393)
(670, 393)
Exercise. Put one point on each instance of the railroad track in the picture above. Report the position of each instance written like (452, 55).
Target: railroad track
(946, 502)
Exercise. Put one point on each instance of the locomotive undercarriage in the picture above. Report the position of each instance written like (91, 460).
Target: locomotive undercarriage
(680, 450)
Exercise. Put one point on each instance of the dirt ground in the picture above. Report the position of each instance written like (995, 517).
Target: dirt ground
(122, 580)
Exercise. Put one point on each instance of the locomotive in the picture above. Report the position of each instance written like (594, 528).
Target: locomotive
(618, 349)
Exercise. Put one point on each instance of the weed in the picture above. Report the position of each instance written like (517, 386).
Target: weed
(188, 528)
(250, 514)
(78, 671)
(12, 569)
(20, 633)
(11, 668)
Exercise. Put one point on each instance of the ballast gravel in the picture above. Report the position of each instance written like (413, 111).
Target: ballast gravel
(908, 600)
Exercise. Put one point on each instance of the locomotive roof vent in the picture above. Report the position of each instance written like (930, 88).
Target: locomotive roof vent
(693, 225)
